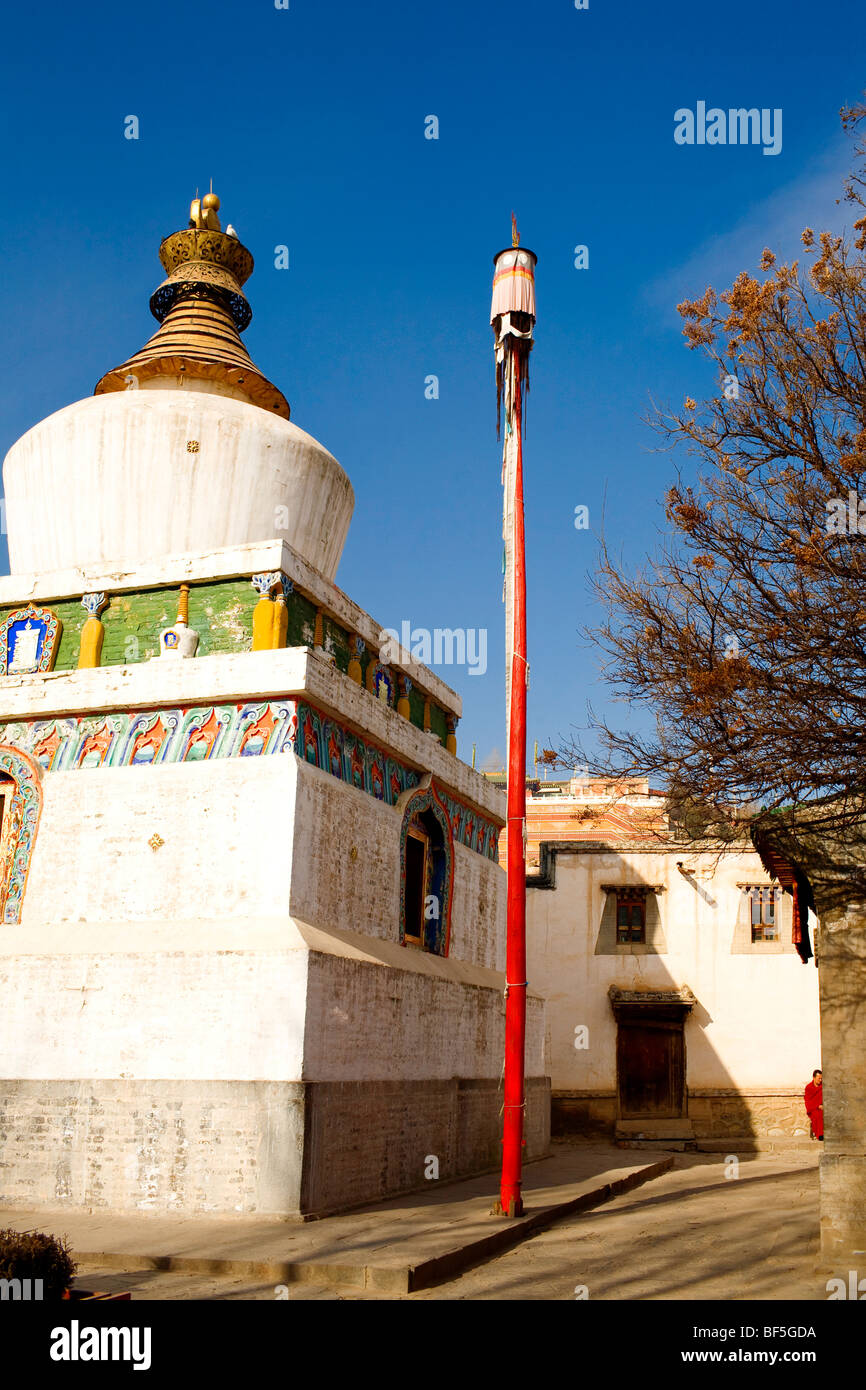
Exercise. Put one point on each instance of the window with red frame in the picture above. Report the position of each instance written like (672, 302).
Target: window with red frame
(630, 917)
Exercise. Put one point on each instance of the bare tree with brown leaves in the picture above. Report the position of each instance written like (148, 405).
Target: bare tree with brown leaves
(746, 635)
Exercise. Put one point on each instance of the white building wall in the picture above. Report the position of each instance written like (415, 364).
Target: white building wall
(756, 1021)
(346, 874)
(226, 851)
(186, 1015)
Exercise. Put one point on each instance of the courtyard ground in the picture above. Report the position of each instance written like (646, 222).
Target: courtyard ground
(703, 1230)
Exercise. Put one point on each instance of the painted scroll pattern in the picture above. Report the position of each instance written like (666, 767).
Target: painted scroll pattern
(200, 733)
(20, 823)
(150, 737)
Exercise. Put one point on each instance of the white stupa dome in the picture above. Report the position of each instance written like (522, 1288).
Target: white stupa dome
(185, 447)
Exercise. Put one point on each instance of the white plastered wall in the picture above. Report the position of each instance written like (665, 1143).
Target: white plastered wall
(332, 887)
(225, 852)
(172, 963)
(756, 1021)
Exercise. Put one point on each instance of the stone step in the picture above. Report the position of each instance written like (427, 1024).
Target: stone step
(668, 1145)
(734, 1144)
(758, 1143)
(653, 1130)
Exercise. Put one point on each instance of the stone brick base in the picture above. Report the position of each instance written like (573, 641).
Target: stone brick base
(285, 1148)
(843, 1206)
(718, 1114)
(591, 1113)
(138, 1146)
(714, 1114)
(367, 1140)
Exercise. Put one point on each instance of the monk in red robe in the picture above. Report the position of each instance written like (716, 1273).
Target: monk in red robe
(814, 1097)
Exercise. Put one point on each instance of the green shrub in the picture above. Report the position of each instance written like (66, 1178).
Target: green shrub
(34, 1255)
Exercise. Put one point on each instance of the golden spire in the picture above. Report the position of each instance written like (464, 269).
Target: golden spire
(202, 312)
(515, 235)
(203, 212)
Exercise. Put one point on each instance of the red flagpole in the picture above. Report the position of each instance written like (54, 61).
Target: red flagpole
(512, 315)
(515, 967)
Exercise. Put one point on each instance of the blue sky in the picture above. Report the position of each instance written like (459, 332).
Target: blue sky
(311, 123)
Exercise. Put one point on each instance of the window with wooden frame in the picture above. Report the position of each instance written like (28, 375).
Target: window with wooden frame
(630, 916)
(417, 861)
(764, 915)
(630, 920)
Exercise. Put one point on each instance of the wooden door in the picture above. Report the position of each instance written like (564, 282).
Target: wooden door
(650, 1058)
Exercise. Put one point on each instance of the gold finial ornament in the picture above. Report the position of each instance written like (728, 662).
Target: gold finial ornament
(210, 207)
(515, 235)
(203, 213)
(202, 311)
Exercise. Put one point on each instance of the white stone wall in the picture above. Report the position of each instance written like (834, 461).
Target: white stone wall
(185, 961)
(332, 888)
(370, 1022)
(329, 887)
(226, 852)
(199, 1146)
(478, 912)
(185, 1015)
(756, 1021)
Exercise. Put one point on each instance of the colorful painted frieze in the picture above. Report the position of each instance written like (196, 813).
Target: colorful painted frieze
(200, 733)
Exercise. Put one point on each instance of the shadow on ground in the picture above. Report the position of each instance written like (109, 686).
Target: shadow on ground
(696, 1233)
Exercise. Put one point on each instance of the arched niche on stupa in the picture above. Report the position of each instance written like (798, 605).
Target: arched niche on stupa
(426, 870)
